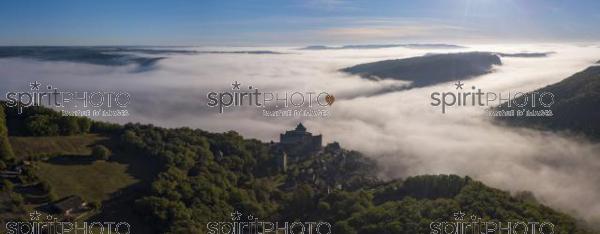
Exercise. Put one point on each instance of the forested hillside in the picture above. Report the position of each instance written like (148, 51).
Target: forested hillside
(192, 177)
(574, 106)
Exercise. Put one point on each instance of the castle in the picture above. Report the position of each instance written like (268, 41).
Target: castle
(299, 141)
(298, 144)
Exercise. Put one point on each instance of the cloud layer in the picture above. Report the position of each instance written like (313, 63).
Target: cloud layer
(399, 129)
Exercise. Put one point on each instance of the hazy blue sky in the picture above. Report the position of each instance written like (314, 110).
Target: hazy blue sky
(279, 22)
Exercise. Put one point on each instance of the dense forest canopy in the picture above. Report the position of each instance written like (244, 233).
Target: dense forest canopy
(205, 177)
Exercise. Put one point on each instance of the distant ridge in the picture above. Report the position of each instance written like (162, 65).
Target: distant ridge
(526, 55)
(241, 52)
(106, 56)
(429, 69)
(575, 107)
(380, 46)
(90, 55)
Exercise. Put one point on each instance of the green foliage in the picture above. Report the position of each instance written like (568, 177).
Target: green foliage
(206, 176)
(45, 186)
(6, 185)
(196, 182)
(165, 212)
(10, 201)
(406, 214)
(101, 152)
(95, 205)
(6, 152)
(84, 125)
(42, 121)
(425, 186)
(69, 125)
(574, 105)
(41, 125)
(104, 127)
(52, 196)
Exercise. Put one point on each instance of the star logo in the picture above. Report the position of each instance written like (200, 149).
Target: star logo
(459, 215)
(236, 215)
(35, 215)
(35, 85)
(459, 85)
(235, 85)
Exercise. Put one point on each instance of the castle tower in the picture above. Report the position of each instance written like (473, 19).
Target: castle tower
(300, 128)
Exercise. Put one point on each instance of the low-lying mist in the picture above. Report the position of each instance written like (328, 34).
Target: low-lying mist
(400, 129)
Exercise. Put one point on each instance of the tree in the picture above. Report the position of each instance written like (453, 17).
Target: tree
(85, 124)
(95, 205)
(69, 125)
(41, 125)
(101, 152)
(52, 196)
(6, 185)
(45, 186)
(6, 152)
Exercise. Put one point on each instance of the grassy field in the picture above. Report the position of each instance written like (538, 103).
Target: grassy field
(55, 145)
(64, 162)
(93, 181)
(70, 170)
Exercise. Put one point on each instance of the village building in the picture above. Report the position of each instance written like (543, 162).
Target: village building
(15, 172)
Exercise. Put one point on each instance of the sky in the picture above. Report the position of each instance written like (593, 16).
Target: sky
(295, 22)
